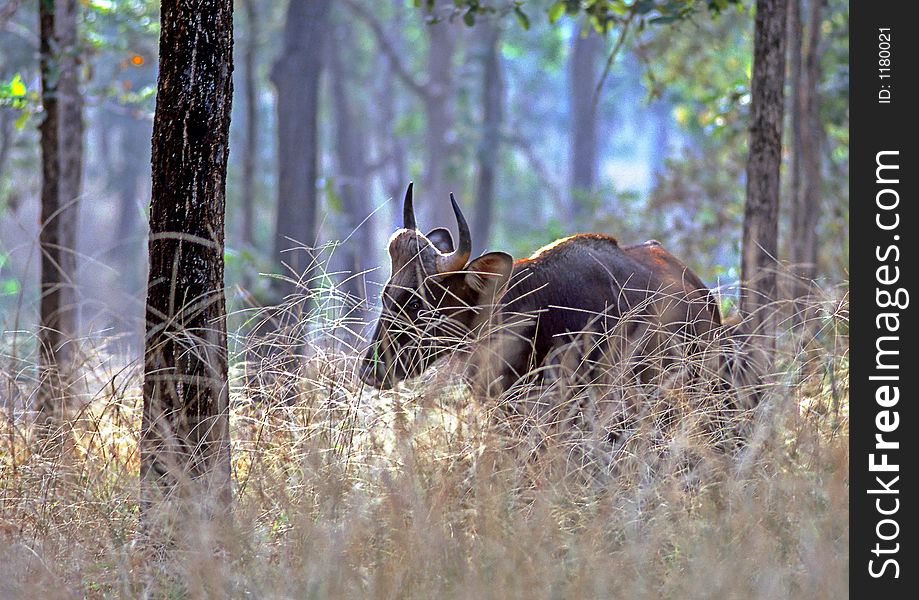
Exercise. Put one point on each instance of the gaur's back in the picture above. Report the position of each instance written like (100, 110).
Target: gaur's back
(588, 281)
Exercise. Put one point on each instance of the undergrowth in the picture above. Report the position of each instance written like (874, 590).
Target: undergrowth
(593, 490)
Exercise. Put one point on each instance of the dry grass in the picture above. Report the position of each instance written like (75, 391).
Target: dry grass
(428, 492)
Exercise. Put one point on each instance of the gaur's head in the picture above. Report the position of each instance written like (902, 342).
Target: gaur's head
(433, 300)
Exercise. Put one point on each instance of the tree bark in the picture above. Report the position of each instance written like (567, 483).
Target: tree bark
(62, 161)
(760, 229)
(296, 75)
(582, 73)
(489, 144)
(185, 435)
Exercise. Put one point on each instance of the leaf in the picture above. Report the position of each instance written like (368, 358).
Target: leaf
(17, 87)
(469, 17)
(556, 11)
(20, 121)
(664, 19)
(102, 6)
(522, 18)
(617, 8)
(9, 286)
(643, 7)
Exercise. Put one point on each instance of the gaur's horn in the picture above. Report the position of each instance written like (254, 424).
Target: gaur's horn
(456, 260)
(408, 209)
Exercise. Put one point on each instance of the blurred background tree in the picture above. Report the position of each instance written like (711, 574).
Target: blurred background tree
(485, 99)
(61, 132)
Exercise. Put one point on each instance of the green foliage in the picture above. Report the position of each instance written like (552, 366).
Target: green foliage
(602, 15)
(707, 84)
(120, 40)
(522, 17)
(685, 66)
(834, 114)
(8, 285)
(14, 94)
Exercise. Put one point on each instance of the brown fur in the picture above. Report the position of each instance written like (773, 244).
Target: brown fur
(586, 283)
(583, 283)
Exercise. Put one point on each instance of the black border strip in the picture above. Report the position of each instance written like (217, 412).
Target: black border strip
(877, 126)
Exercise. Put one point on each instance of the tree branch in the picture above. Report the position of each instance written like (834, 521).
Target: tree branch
(613, 54)
(7, 12)
(542, 173)
(388, 49)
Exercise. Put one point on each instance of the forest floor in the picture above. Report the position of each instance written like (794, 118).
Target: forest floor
(428, 492)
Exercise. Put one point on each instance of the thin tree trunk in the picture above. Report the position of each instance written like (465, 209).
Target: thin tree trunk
(250, 146)
(438, 110)
(70, 111)
(806, 210)
(62, 159)
(132, 150)
(660, 117)
(6, 138)
(489, 145)
(50, 334)
(760, 235)
(132, 154)
(436, 94)
(354, 186)
(397, 173)
(795, 51)
(582, 75)
(185, 436)
(296, 76)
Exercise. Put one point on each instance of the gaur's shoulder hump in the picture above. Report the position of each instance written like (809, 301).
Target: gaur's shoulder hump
(579, 240)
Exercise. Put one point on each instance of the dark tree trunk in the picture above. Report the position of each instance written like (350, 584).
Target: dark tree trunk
(62, 161)
(806, 207)
(760, 229)
(70, 112)
(50, 334)
(351, 154)
(296, 77)
(250, 145)
(489, 145)
(185, 431)
(582, 75)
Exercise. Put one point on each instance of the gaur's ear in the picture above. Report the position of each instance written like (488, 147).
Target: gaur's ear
(489, 273)
(441, 239)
